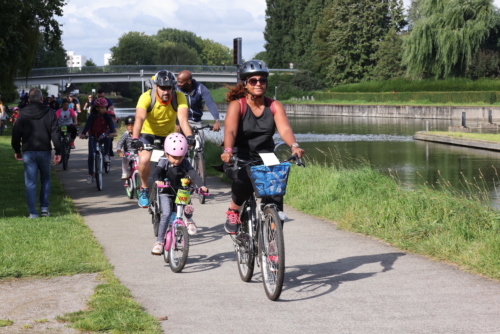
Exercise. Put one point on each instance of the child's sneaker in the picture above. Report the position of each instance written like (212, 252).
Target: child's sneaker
(90, 178)
(124, 176)
(106, 159)
(191, 226)
(158, 248)
(233, 222)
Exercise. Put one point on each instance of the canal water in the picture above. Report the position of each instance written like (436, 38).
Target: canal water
(387, 145)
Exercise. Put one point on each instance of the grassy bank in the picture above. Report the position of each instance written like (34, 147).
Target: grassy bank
(61, 245)
(466, 135)
(444, 225)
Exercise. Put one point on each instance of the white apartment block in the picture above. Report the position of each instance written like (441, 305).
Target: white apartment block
(107, 57)
(75, 60)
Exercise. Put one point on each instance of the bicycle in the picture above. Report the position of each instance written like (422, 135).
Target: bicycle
(176, 247)
(133, 182)
(261, 235)
(65, 146)
(196, 155)
(2, 126)
(99, 164)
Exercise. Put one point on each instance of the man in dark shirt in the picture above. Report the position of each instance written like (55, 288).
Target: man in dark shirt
(35, 128)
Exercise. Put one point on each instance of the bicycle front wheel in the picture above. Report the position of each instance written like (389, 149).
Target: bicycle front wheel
(129, 187)
(199, 166)
(137, 184)
(98, 171)
(244, 248)
(272, 253)
(179, 249)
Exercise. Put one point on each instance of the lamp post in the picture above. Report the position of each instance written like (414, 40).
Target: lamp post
(275, 92)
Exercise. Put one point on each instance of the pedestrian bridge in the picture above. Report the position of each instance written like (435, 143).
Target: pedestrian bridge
(126, 73)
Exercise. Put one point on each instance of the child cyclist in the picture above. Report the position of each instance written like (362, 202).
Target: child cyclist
(67, 116)
(174, 167)
(98, 123)
(124, 145)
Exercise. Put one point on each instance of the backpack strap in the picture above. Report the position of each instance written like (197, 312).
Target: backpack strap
(268, 101)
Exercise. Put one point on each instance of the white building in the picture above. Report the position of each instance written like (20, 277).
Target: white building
(107, 57)
(75, 60)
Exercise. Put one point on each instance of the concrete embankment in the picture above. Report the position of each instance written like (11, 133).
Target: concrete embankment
(474, 143)
(419, 112)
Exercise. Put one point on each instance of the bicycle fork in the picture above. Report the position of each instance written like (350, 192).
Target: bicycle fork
(172, 228)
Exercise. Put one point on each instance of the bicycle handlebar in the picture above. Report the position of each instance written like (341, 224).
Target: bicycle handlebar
(208, 126)
(294, 157)
(167, 185)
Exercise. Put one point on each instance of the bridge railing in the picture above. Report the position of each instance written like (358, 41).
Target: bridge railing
(147, 69)
(135, 69)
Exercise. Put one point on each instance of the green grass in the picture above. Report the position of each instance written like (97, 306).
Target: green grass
(441, 224)
(467, 135)
(219, 95)
(112, 309)
(5, 323)
(61, 245)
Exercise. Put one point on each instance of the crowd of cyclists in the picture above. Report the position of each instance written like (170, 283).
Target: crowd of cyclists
(166, 113)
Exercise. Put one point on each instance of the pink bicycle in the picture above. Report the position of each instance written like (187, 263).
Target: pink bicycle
(176, 238)
(133, 183)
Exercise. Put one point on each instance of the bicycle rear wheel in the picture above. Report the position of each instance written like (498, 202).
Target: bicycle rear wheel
(98, 171)
(179, 249)
(272, 253)
(199, 167)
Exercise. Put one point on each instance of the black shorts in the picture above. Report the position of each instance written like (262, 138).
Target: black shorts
(147, 138)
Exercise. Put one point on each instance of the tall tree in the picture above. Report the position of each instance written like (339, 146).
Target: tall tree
(443, 41)
(388, 63)
(23, 22)
(134, 48)
(354, 29)
(50, 56)
(279, 33)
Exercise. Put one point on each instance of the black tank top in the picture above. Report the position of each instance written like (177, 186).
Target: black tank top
(255, 134)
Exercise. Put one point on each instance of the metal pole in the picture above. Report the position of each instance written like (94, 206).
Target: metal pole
(463, 119)
(490, 117)
(427, 126)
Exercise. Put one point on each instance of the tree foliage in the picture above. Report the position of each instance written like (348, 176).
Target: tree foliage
(215, 54)
(278, 33)
(176, 54)
(23, 23)
(47, 56)
(177, 36)
(443, 41)
(388, 58)
(134, 48)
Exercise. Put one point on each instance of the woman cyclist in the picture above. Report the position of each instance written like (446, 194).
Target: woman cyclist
(98, 123)
(250, 132)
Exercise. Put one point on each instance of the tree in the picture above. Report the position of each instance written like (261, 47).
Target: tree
(279, 33)
(177, 36)
(90, 62)
(388, 58)
(23, 24)
(134, 48)
(443, 41)
(261, 56)
(354, 29)
(215, 54)
(47, 56)
(176, 54)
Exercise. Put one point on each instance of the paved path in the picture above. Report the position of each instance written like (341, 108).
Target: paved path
(336, 282)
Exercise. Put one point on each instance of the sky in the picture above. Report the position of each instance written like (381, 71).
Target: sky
(92, 27)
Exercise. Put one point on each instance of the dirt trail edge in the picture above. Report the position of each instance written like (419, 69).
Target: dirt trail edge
(335, 281)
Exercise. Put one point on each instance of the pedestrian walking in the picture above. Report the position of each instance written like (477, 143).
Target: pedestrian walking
(36, 127)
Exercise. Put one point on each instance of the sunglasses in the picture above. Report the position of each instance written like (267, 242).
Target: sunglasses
(253, 81)
(164, 88)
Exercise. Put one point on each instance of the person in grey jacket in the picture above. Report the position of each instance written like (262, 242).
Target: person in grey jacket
(36, 127)
(195, 93)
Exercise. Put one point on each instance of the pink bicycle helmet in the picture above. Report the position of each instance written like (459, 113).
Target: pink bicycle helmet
(176, 145)
(101, 102)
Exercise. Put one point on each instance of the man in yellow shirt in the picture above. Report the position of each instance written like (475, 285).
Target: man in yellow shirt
(157, 123)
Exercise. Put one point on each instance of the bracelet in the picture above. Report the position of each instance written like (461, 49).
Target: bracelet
(294, 145)
(229, 150)
(135, 137)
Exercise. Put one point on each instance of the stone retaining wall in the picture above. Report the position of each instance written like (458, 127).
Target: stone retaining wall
(420, 112)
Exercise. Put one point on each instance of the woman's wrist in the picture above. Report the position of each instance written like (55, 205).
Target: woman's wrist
(228, 150)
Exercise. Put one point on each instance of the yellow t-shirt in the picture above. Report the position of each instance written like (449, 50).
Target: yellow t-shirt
(161, 120)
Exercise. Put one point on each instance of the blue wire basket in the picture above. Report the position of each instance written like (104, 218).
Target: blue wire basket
(270, 180)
